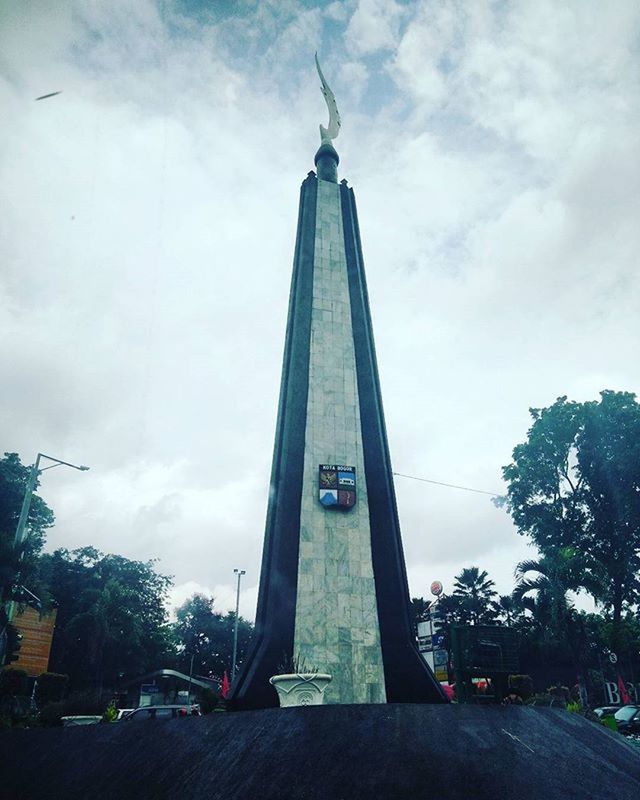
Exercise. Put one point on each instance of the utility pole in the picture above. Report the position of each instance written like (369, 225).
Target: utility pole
(21, 529)
(239, 573)
(190, 679)
(31, 483)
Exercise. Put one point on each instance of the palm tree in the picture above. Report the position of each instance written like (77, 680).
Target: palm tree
(475, 591)
(556, 573)
(508, 608)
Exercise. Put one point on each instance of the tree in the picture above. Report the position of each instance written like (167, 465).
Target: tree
(419, 609)
(609, 463)
(508, 609)
(208, 636)
(575, 483)
(112, 620)
(474, 589)
(555, 574)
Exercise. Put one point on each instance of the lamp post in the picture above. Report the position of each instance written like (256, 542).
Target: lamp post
(26, 503)
(239, 573)
(28, 492)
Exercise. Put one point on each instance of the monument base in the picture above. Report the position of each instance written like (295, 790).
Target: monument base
(444, 752)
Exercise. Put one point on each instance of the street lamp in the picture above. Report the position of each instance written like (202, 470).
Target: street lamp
(28, 493)
(239, 573)
(26, 503)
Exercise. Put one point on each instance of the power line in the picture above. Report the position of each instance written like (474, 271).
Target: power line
(449, 485)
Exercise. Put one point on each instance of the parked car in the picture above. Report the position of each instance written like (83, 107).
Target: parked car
(606, 711)
(69, 722)
(628, 719)
(162, 712)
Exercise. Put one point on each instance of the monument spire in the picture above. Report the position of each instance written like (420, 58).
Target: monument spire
(327, 158)
(333, 585)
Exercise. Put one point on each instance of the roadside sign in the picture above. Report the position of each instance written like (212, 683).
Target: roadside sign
(613, 658)
(440, 658)
(436, 588)
(149, 688)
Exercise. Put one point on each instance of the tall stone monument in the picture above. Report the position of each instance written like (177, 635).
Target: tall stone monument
(333, 587)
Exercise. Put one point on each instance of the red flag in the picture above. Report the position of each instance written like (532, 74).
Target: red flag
(624, 695)
(225, 685)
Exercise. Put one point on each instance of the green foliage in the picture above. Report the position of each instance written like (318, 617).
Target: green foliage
(474, 591)
(83, 702)
(111, 620)
(544, 491)
(208, 701)
(208, 636)
(13, 640)
(557, 572)
(609, 462)
(574, 487)
(51, 715)
(86, 702)
(51, 687)
(560, 695)
(295, 665)
(110, 712)
(508, 609)
(419, 608)
(13, 682)
(522, 685)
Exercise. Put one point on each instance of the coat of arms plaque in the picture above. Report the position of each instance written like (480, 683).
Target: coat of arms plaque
(337, 485)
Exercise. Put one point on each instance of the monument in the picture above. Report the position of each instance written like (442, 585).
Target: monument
(333, 592)
(333, 586)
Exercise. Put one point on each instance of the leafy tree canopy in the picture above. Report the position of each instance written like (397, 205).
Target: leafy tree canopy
(474, 591)
(208, 636)
(575, 483)
(112, 621)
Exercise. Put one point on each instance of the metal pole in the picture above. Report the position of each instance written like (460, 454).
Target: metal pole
(190, 677)
(239, 573)
(26, 503)
(28, 493)
(21, 528)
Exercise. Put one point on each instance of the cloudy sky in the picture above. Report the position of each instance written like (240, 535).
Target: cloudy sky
(147, 232)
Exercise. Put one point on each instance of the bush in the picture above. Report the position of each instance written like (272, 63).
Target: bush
(13, 682)
(51, 715)
(51, 688)
(522, 685)
(76, 704)
(560, 695)
(208, 701)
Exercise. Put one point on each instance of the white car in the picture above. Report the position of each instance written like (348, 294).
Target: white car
(163, 712)
(70, 722)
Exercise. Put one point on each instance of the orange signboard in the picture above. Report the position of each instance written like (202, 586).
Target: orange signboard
(37, 633)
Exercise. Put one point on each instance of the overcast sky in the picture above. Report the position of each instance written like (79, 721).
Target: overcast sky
(148, 222)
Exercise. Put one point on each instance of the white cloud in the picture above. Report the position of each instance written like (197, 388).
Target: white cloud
(373, 26)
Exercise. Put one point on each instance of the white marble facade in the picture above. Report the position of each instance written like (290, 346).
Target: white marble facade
(336, 627)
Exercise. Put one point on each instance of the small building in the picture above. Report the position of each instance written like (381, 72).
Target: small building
(167, 687)
(36, 629)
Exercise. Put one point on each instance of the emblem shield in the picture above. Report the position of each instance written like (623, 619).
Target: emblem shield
(337, 486)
